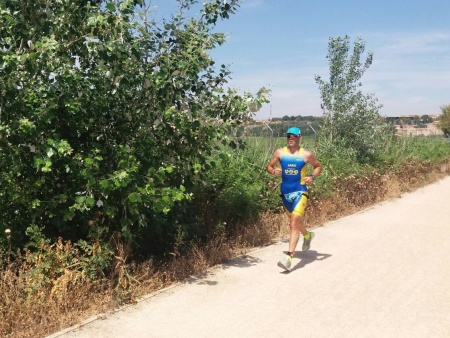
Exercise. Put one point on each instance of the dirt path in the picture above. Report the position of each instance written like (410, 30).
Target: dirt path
(384, 272)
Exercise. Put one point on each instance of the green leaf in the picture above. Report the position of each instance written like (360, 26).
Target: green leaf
(80, 199)
(105, 184)
(90, 201)
(110, 6)
(134, 197)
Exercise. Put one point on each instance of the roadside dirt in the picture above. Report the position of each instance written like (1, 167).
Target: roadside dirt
(382, 272)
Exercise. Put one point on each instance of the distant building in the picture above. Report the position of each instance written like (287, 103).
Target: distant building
(411, 117)
(434, 116)
(407, 125)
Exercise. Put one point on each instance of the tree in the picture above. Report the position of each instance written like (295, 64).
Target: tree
(426, 119)
(444, 120)
(351, 117)
(107, 116)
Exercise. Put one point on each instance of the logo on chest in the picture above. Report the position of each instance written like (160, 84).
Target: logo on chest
(291, 171)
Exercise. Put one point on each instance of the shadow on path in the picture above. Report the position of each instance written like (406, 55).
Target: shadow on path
(201, 279)
(243, 261)
(307, 258)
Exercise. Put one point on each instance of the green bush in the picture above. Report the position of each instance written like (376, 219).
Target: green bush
(107, 117)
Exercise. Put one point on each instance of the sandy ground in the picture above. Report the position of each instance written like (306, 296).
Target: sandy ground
(383, 272)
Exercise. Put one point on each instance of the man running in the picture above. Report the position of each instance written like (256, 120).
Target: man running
(294, 191)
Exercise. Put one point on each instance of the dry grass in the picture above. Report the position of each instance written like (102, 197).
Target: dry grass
(72, 297)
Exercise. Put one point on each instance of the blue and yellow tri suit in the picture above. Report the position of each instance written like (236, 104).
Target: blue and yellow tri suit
(294, 191)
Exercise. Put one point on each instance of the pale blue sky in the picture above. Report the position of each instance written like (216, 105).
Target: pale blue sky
(282, 44)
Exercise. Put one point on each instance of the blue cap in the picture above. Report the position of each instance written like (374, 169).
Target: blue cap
(294, 130)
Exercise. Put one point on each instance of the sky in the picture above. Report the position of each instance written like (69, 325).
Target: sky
(282, 45)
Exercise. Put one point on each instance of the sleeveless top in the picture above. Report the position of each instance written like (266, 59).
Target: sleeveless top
(293, 172)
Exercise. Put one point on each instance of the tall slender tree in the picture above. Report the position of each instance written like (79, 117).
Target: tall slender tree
(351, 117)
(444, 120)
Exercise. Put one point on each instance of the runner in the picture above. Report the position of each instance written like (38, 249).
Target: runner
(294, 188)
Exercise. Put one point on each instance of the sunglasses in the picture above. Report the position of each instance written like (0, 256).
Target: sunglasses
(291, 135)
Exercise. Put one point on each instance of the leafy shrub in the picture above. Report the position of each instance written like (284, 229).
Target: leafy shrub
(107, 116)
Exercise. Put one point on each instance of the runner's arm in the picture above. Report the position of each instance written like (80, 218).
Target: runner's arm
(311, 159)
(273, 162)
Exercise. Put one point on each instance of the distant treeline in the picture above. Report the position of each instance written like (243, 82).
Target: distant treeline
(277, 126)
(414, 120)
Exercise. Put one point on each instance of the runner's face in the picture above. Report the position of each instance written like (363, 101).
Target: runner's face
(292, 139)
